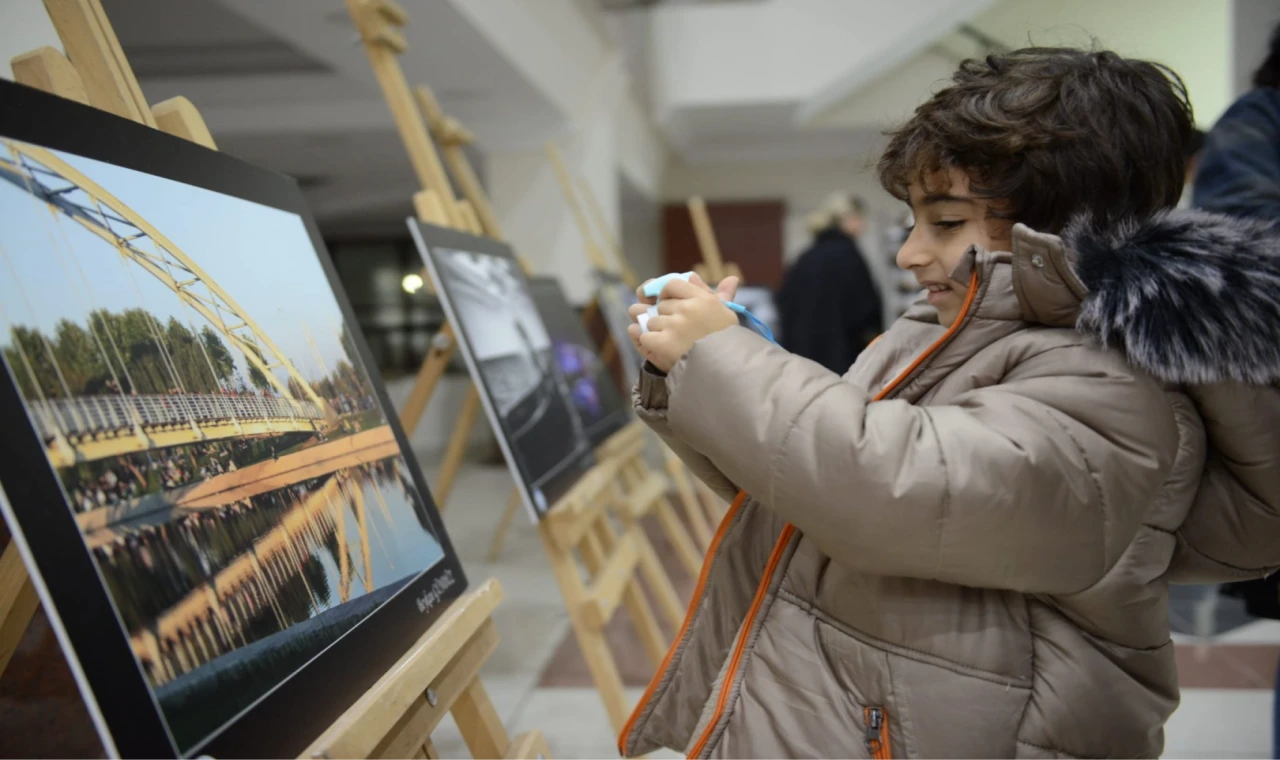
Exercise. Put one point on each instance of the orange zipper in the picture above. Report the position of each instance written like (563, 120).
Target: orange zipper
(877, 733)
(761, 590)
(774, 559)
(684, 626)
(946, 336)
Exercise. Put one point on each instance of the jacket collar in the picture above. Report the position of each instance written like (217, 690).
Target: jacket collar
(1189, 296)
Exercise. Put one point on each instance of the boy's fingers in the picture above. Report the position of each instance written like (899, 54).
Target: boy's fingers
(679, 289)
(641, 296)
(657, 323)
(727, 288)
(696, 280)
(636, 309)
(655, 343)
(670, 307)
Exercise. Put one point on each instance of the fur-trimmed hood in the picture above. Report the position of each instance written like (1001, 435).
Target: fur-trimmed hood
(1190, 297)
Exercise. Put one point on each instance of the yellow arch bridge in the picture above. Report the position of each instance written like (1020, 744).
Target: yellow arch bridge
(86, 428)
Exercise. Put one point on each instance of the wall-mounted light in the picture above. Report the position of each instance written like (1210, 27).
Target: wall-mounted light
(412, 283)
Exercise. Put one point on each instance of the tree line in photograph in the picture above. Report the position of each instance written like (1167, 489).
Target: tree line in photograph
(133, 352)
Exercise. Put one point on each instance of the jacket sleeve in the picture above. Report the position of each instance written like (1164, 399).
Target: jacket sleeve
(650, 401)
(1239, 169)
(1036, 484)
(1232, 531)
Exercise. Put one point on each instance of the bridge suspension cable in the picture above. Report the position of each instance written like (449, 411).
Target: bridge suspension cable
(86, 427)
(36, 170)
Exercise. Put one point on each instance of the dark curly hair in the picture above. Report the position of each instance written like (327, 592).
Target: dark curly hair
(1052, 132)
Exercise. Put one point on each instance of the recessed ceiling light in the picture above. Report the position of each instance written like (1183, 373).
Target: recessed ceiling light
(412, 283)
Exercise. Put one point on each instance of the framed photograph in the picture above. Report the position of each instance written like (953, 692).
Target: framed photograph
(594, 394)
(204, 476)
(511, 357)
(615, 298)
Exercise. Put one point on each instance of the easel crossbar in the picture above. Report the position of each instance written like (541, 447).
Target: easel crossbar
(363, 727)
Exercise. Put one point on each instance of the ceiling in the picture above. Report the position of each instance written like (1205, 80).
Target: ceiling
(285, 85)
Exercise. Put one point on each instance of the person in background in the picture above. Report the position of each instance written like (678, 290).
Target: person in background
(1239, 174)
(829, 305)
(1239, 169)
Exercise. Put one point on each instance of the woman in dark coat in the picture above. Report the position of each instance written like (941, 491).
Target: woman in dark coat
(829, 305)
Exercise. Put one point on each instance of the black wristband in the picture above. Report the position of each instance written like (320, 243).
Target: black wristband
(652, 370)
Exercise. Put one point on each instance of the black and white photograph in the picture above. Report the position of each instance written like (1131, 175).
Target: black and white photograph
(594, 394)
(218, 445)
(511, 356)
(615, 298)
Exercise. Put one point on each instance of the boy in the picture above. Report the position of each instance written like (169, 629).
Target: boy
(962, 547)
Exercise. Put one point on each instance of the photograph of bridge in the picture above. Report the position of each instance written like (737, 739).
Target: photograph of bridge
(592, 390)
(527, 396)
(189, 375)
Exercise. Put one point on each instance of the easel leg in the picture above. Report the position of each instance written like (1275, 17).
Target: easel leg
(442, 348)
(532, 745)
(659, 583)
(655, 574)
(693, 510)
(457, 448)
(479, 723)
(686, 552)
(651, 636)
(503, 526)
(595, 650)
(18, 602)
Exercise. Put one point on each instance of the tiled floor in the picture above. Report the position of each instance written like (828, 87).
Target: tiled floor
(526, 677)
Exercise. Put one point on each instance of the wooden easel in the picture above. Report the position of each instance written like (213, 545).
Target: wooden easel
(580, 527)
(713, 268)
(439, 673)
(452, 136)
(701, 514)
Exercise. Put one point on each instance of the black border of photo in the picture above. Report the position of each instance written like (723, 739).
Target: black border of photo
(287, 719)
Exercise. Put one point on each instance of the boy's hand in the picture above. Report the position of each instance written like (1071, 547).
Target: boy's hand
(687, 312)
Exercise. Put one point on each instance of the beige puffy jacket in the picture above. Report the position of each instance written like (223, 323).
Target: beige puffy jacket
(963, 547)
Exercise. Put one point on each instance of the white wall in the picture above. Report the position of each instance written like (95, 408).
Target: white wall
(530, 205)
(609, 140)
(642, 154)
(24, 26)
(642, 241)
(1193, 37)
(641, 232)
(1252, 22)
(551, 42)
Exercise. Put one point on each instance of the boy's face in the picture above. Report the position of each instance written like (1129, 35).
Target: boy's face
(948, 221)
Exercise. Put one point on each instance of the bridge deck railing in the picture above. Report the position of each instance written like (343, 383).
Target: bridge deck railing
(83, 415)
